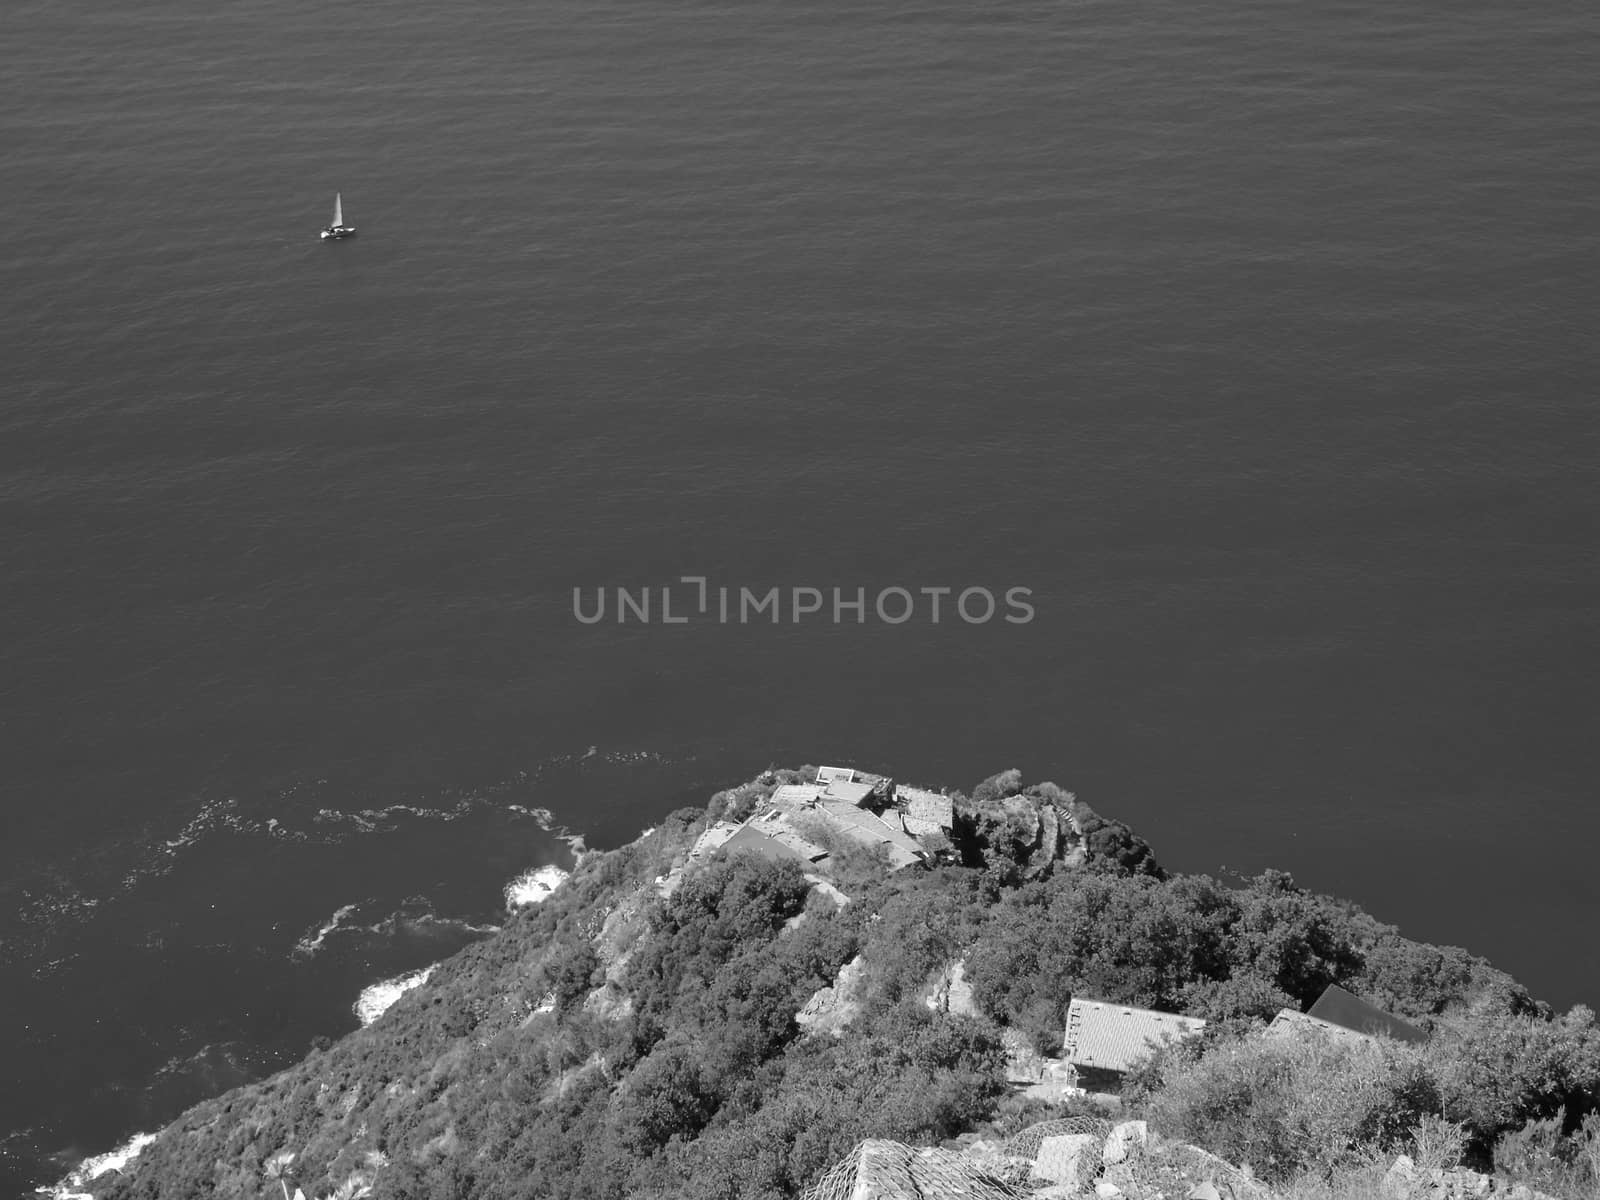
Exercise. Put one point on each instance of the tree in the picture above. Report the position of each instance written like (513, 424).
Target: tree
(278, 1169)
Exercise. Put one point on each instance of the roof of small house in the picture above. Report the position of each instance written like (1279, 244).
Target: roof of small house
(921, 805)
(774, 840)
(1113, 1037)
(848, 792)
(1339, 1007)
(863, 827)
(1288, 1022)
(796, 795)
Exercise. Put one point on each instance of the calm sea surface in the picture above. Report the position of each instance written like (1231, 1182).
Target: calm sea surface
(1257, 339)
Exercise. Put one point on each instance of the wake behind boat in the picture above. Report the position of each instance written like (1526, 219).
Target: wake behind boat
(338, 229)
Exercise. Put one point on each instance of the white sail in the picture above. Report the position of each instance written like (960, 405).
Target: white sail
(338, 209)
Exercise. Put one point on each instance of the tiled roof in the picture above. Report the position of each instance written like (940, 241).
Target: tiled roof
(791, 837)
(1339, 1007)
(927, 806)
(848, 793)
(1113, 1037)
(864, 827)
(775, 841)
(795, 795)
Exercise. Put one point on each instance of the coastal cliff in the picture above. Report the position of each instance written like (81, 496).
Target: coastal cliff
(686, 1016)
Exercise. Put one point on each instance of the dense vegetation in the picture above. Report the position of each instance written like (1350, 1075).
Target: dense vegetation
(610, 1043)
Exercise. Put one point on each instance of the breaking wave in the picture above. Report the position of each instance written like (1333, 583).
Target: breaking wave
(71, 1188)
(378, 998)
(535, 886)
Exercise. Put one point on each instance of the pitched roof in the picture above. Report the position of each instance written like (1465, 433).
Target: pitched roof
(1288, 1022)
(1339, 1007)
(774, 840)
(863, 827)
(1113, 1037)
(795, 795)
(847, 792)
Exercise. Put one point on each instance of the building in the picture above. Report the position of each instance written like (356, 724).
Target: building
(1289, 1023)
(866, 829)
(858, 792)
(924, 812)
(774, 840)
(1339, 1007)
(795, 797)
(1103, 1041)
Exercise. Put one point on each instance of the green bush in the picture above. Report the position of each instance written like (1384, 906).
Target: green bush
(1286, 1106)
(1498, 1070)
(998, 787)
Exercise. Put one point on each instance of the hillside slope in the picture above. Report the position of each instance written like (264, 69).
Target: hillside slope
(616, 1041)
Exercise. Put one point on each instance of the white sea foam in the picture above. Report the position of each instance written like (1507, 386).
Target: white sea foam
(535, 886)
(72, 1187)
(423, 924)
(377, 999)
(312, 942)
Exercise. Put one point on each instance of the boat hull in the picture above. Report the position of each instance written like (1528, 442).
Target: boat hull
(335, 232)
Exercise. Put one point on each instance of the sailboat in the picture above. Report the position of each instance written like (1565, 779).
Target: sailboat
(338, 229)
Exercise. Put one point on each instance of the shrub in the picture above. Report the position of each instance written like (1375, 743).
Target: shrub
(1587, 1142)
(997, 787)
(1292, 1105)
(1497, 1070)
(1438, 1144)
(1535, 1153)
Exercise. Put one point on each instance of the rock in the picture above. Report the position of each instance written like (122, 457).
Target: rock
(893, 1171)
(1123, 1140)
(831, 1009)
(1066, 1157)
(1107, 1191)
(1522, 1191)
(947, 990)
(1400, 1179)
(1204, 1191)
(1049, 839)
(608, 1002)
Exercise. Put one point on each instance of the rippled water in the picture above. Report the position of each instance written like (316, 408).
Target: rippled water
(1254, 339)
